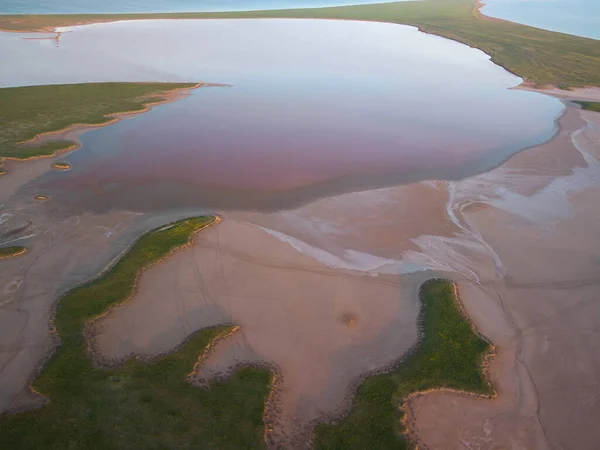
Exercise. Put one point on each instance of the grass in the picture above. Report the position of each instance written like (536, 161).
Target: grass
(589, 106)
(138, 405)
(8, 252)
(449, 356)
(538, 56)
(26, 112)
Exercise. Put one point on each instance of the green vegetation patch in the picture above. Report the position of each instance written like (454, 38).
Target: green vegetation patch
(8, 252)
(540, 57)
(61, 165)
(26, 112)
(138, 405)
(450, 355)
(589, 106)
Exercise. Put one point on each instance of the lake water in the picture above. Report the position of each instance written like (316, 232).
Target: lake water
(315, 108)
(149, 6)
(578, 17)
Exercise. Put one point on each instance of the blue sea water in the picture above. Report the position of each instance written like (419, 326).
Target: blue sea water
(578, 17)
(148, 6)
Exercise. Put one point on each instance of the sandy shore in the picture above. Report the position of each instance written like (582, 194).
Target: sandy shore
(591, 94)
(64, 250)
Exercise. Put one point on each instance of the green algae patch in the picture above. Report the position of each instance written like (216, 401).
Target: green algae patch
(28, 113)
(538, 56)
(147, 405)
(10, 252)
(450, 355)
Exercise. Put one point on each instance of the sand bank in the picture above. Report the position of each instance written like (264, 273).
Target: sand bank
(25, 170)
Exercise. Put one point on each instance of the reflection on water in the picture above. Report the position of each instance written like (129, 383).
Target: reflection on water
(315, 108)
(578, 17)
(147, 6)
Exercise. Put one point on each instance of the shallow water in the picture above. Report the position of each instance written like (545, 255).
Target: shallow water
(151, 6)
(315, 108)
(578, 17)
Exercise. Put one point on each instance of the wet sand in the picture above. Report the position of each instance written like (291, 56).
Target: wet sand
(305, 117)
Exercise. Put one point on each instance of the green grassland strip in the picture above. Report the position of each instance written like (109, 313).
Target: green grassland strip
(450, 355)
(145, 405)
(26, 113)
(540, 57)
(589, 106)
(9, 252)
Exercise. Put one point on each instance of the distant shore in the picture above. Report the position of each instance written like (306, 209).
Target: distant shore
(558, 54)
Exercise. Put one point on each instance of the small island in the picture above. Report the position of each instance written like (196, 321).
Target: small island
(11, 252)
(61, 165)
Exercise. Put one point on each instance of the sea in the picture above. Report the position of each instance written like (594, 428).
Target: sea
(578, 17)
(159, 6)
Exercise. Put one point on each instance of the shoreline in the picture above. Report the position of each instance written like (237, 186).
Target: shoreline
(94, 18)
(590, 93)
(72, 132)
(586, 92)
(88, 329)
